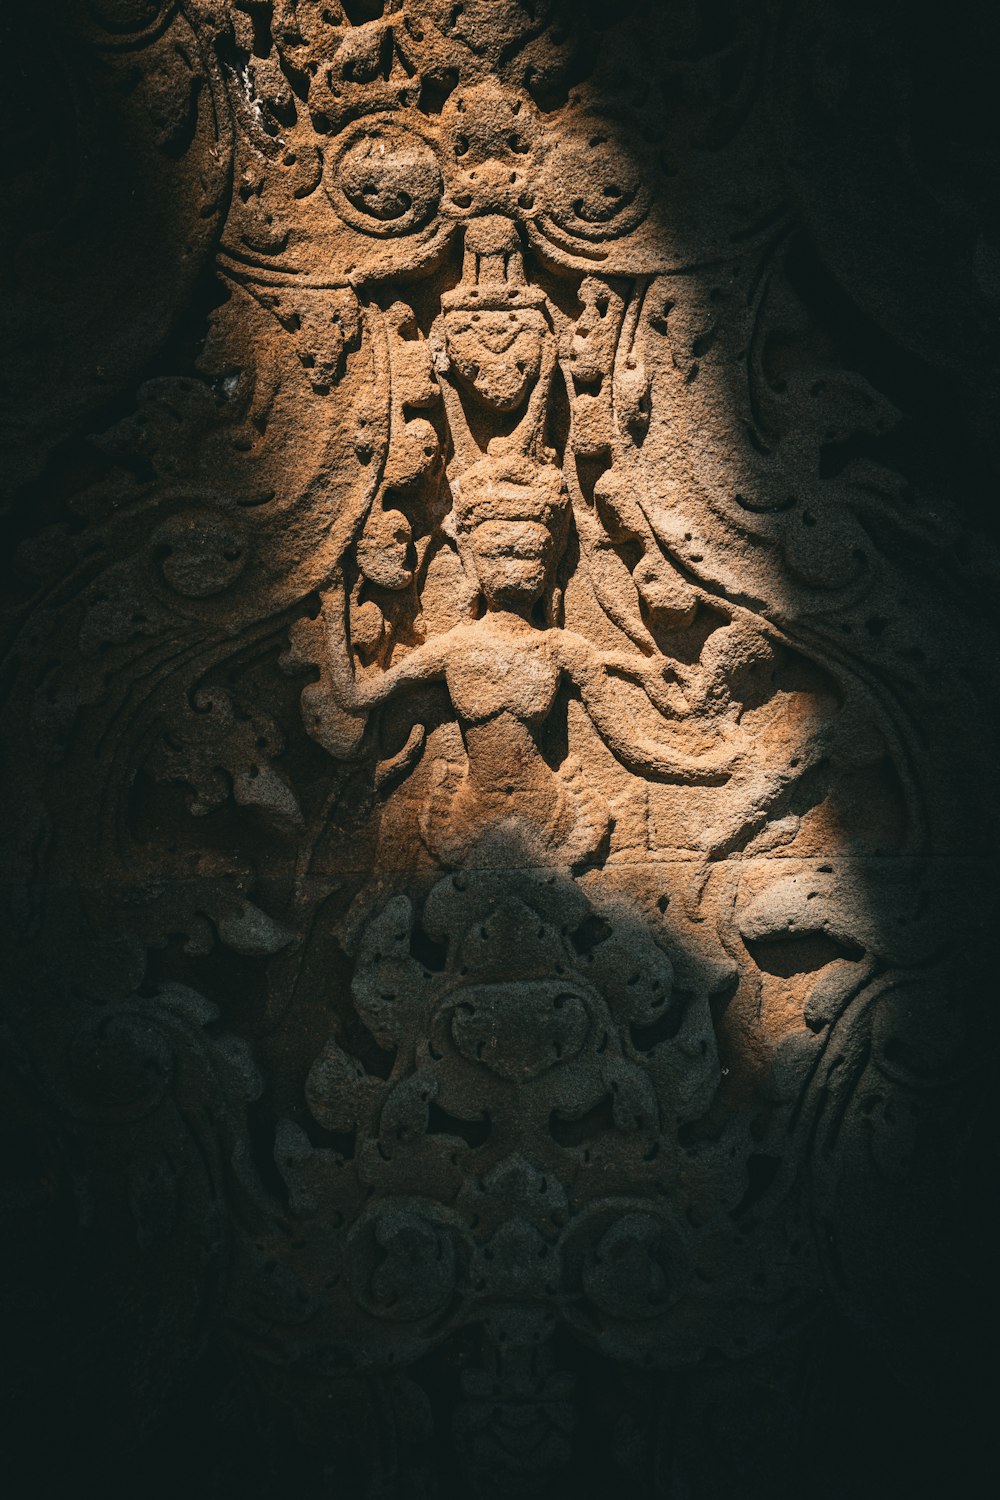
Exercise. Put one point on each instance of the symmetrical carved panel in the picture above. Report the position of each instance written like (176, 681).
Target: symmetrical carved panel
(493, 874)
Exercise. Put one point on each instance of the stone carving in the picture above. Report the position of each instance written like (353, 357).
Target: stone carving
(492, 726)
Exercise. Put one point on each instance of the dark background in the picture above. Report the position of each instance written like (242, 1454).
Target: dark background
(907, 284)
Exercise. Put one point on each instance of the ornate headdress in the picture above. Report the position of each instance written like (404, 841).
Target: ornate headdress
(509, 487)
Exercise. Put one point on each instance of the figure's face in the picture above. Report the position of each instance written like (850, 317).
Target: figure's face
(505, 501)
(497, 353)
(512, 559)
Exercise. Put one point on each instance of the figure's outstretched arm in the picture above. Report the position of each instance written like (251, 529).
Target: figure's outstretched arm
(590, 669)
(337, 705)
(423, 664)
(642, 754)
(655, 676)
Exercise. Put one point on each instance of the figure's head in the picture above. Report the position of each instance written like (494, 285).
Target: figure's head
(511, 512)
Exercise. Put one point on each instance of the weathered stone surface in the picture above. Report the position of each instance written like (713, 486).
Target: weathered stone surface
(499, 713)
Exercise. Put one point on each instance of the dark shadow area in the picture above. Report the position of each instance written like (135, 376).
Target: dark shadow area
(334, 1160)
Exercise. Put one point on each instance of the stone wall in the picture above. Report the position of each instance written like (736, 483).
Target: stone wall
(499, 712)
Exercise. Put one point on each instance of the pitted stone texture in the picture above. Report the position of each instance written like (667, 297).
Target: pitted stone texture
(496, 898)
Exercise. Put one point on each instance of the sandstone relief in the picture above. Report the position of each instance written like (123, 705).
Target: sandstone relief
(496, 895)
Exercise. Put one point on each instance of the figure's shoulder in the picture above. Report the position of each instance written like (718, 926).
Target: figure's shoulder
(569, 645)
(455, 641)
(462, 634)
(442, 637)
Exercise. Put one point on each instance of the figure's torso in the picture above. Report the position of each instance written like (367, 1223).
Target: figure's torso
(491, 672)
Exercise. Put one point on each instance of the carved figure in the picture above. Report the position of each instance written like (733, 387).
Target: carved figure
(503, 672)
(489, 877)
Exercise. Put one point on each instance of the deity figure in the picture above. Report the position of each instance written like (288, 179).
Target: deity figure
(503, 672)
(495, 355)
